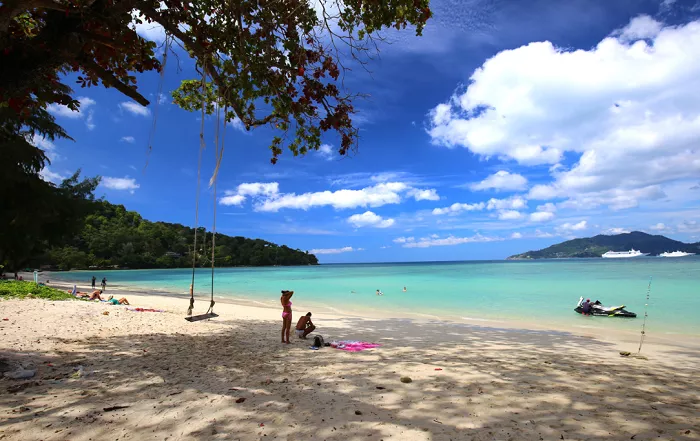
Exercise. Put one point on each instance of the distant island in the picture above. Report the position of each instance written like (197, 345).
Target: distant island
(596, 246)
(113, 237)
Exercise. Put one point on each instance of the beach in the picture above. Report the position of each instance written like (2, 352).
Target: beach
(153, 375)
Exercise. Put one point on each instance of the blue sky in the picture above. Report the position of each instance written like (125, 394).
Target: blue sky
(508, 126)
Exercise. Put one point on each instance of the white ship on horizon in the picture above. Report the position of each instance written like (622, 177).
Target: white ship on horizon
(676, 254)
(623, 254)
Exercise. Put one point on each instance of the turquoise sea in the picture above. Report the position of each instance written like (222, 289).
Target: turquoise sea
(543, 292)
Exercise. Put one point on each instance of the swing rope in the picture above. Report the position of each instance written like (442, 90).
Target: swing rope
(212, 183)
(202, 145)
(157, 105)
(644, 323)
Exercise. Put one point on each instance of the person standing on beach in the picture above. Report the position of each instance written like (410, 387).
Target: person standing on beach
(93, 281)
(286, 314)
(104, 284)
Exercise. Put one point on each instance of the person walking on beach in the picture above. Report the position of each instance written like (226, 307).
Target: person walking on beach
(93, 281)
(104, 284)
(286, 314)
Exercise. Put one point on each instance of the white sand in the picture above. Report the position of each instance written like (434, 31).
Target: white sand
(181, 380)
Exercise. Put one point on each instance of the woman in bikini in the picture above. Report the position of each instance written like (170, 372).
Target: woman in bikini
(286, 314)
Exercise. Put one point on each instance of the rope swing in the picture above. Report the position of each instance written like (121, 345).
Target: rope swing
(219, 154)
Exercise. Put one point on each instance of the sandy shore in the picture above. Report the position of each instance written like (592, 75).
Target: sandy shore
(230, 378)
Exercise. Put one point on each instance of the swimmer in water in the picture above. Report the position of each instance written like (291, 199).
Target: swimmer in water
(404, 289)
(379, 293)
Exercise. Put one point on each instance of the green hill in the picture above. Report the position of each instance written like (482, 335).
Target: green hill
(596, 246)
(114, 237)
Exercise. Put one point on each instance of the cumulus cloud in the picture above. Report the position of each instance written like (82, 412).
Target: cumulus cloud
(404, 239)
(370, 219)
(129, 139)
(658, 227)
(509, 215)
(377, 195)
(511, 203)
(458, 208)
(64, 111)
(249, 189)
(516, 235)
(541, 216)
(429, 194)
(326, 152)
(501, 180)
(125, 183)
(84, 111)
(573, 227)
(135, 108)
(431, 241)
(334, 250)
(44, 144)
(51, 176)
(615, 230)
(628, 109)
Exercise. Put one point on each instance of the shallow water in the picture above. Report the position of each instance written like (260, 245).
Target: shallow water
(544, 291)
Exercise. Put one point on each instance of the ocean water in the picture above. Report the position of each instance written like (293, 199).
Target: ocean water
(543, 291)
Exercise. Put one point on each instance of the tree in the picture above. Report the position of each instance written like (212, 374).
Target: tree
(39, 214)
(263, 62)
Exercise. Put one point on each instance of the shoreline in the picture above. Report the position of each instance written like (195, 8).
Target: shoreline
(630, 340)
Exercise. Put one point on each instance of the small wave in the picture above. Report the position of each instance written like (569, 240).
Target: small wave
(477, 319)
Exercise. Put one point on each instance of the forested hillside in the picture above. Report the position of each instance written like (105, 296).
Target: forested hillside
(598, 245)
(113, 236)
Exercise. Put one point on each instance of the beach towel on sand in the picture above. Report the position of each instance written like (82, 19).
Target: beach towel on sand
(144, 310)
(353, 346)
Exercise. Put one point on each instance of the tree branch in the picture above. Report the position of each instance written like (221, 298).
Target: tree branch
(112, 81)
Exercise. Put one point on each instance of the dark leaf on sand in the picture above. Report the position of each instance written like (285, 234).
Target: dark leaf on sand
(240, 400)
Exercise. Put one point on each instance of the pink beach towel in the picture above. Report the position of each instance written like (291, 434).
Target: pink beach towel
(353, 346)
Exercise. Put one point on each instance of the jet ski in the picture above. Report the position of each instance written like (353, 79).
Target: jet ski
(597, 308)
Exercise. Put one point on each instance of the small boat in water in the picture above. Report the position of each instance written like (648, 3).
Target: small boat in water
(623, 254)
(676, 254)
(598, 309)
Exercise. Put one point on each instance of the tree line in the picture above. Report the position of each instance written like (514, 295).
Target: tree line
(112, 236)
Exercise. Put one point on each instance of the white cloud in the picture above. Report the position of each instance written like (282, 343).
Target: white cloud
(501, 180)
(60, 110)
(541, 216)
(641, 27)
(135, 108)
(252, 189)
(326, 152)
(457, 208)
(573, 227)
(427, 242)
(615, 230)
(44, 144)
(628, 108)
(516, 235)
(64, 111)
(90, 122)
(150, 31)
(129, 139)
(374, 196)
(237, 124)
(234, 199)
(509, 215)
(512, 203)
(258, 188)
(658, 227)
(334, 250)
(429, 194)
(125, 183)
(404, 239)
(370, 219)
(548, 207)
(50, 176)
